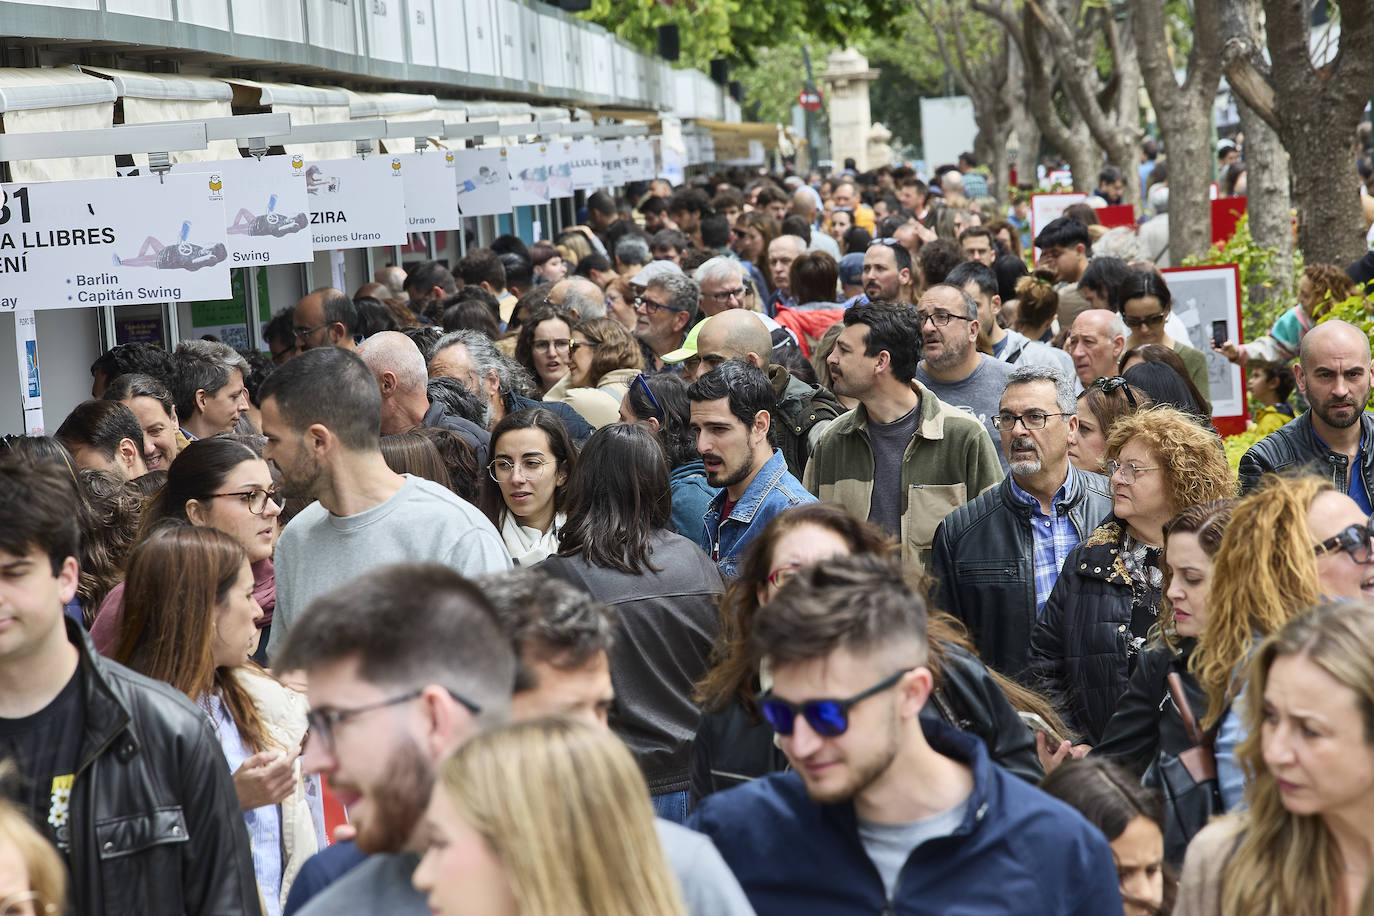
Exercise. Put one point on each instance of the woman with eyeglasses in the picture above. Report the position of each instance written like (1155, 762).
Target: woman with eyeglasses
(33, 878)
(1145, 306)
(1106, 600)
(532, 459)
(604, 359)
(544, 344)
(221, 483)
(1099, 407)
(660, 402)
(191, 621)
(1292, 543)
(734, 744)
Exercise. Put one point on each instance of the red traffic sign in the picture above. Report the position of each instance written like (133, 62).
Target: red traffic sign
(809, 99)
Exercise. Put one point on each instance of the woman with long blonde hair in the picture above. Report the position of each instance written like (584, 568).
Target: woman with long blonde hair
(546, 817)
(1304, 845)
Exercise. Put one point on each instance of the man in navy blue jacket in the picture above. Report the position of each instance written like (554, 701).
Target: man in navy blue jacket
(884, 812)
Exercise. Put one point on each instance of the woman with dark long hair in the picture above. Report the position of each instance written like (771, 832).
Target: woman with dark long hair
(617, 547)
(526, 487)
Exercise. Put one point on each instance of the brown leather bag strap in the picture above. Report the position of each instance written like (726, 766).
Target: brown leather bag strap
(1185, 711)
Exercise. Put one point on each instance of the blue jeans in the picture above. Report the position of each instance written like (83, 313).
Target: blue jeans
(671, 806)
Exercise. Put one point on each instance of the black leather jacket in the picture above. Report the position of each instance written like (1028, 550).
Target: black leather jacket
(984, 568)
(156, 825)
(1295, 445)
(1146, 720)
(731, 748)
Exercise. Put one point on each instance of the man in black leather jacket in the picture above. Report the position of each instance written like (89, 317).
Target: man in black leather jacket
(986, 552)
(121, 773)
(1333, 437)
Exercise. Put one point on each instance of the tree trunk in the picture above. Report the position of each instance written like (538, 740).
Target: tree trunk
(1021, 120)
(992, 151)
(1268, 200)
(1330, 221)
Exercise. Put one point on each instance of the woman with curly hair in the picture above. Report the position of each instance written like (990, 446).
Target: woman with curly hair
(1321, 286)
(1106, 600)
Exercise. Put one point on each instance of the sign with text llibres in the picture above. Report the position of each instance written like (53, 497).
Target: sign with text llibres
(354, 203)
(482, 181)
(431, 193)
(111, 241)
(266, 213)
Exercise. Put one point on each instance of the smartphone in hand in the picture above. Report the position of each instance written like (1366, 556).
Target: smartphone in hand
(1219, 333)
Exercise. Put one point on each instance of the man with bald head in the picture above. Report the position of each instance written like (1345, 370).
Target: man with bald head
(581, 296)
(1333, 437)
(804, 411)
(399, 368)
(325, 318)
(1096, 342)
(394, 279)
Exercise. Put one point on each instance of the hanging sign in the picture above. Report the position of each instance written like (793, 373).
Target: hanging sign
(612, 163)
(431, 192)
(266, 212)
(482, 181)
(586, 164)
(560, 162)
(529, 174)
(111, 241)
(354, 203)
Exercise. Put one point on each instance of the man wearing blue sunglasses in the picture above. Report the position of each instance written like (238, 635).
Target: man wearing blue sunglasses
(885, 811)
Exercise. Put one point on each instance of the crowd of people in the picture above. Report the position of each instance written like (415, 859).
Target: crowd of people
(751, 547)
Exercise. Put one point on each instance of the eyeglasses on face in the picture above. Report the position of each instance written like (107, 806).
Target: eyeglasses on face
(562, 345)
(940, 318)
(302, 333)
(1354, 540)
(1031, 419)
(323, 723)
(1127, 471)
(1113, 384)
(827, 718)
(651, 307)
(729, 294)
(589, 343)
(256, 498)
(1152, 320)
(783, 574)
(531, 467)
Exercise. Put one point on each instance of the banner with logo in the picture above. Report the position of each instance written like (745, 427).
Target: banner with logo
(354, 203)
(266, 212)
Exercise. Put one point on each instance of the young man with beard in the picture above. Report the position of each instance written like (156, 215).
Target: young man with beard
(887, 810)
(952, 367)
(1334, 435)
(886, 273)
(322, 415)
(996, 558)
(403, 664)
(732, 410)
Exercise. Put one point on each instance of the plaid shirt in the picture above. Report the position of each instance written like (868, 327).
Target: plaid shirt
(1052, 537)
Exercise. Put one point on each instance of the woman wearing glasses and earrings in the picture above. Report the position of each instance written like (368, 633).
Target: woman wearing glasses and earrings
(1106, 599)
(1145, 307)
(220, 483)
(532, 459)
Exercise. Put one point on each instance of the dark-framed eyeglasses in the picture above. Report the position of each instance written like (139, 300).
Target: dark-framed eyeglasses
(1354, 540)
(590, 343)
(562, 345)
(1151, 320)
(827, 718)
(256, 498)
(727, 295)
(324, 722)
(940, 318)
(1114, 384)
(1031, 419)
(642, 384)
(651, 307)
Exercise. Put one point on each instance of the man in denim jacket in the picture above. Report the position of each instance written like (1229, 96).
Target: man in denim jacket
(732, 411)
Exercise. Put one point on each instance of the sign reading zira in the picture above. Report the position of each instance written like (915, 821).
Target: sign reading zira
(111, 241)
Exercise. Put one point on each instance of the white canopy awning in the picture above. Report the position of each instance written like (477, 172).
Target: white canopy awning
(152, 97)
(40, 99)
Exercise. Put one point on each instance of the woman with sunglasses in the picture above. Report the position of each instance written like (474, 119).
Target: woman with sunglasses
(1145, 307)
(532, 458)
(544, 343)
(734, 744)
(604, 360)
(1100, 406)
(660, 402)
(1105, 602)
(1292, 543)
(191, 623)
(221, 483)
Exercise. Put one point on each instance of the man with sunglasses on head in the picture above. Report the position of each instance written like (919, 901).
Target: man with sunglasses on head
(887, 809)
(322, 416)
(1335, 436)
(997, 557)
(404, 664)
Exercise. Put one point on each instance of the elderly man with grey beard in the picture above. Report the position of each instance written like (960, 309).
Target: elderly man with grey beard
(996, 558)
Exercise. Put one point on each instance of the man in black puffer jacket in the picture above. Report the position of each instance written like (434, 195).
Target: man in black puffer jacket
(121, 773)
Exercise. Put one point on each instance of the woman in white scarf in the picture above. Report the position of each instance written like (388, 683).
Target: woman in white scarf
(532, 459)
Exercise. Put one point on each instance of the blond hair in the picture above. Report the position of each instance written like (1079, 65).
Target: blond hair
(1194, 464)
(1284, 862)
(565, 808)
(47, 874)
(1264, 572)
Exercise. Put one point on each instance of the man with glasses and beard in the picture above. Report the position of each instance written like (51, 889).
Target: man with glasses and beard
(887, 809)
(403, 664)
(996, 558)
(1333, 436)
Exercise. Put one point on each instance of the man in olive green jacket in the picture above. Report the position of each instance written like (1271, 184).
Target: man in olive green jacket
(902, 459)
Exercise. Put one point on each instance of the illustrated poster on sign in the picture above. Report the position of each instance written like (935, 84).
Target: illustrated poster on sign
(482, 182)
(586, 164)
(559, 159)
(111, 241)
(529, 174)
(266, 212)
(1202, 295)
(354, 203)
(431, 192)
